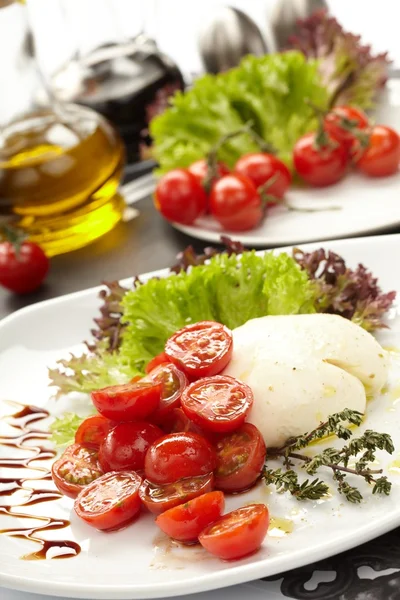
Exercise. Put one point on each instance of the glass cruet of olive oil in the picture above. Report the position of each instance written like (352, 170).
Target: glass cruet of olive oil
(60, 164)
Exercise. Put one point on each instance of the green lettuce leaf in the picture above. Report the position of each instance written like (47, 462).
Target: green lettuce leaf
(229, 289)
(63, 429)
(270, 91)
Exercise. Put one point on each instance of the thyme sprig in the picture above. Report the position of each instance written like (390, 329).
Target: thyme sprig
(363, 449)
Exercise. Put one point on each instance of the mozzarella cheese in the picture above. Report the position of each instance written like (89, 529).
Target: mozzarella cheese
(303, 368)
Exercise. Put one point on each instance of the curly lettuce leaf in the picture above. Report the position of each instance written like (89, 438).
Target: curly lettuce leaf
(351, 73)
(229, 289)
(270, 91)
(63, 429)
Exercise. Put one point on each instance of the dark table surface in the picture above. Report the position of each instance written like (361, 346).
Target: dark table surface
(144, 244)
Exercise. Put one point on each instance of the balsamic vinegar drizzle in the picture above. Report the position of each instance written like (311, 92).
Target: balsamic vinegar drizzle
(22, 421)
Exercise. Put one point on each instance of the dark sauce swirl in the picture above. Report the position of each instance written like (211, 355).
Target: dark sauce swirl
(22, 422)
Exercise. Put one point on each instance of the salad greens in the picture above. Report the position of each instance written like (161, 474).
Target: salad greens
(349, 71)
(269, 91)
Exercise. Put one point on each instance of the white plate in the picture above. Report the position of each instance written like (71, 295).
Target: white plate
(129, 564)
(364, 205)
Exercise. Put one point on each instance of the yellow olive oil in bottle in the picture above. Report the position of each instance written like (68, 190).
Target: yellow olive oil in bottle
(60, 164)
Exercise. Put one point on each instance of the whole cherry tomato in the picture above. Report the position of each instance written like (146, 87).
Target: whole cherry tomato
(180, 197)
(92, 431)
(159, 498)
(128, 402)
(201, 349)
(125, 446)
(262, 168)
(23, 268)
(240, 459)
(320, 163)
(382, 156)
(186, 521)
(110, 502)
(345, 123)
(235, 203)
(76, 467)
(179, 455)
(200, 170)
(238, 533)
(219, 404)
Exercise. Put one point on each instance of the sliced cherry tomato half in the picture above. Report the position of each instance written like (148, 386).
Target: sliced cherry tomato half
(75, 469)
(173, 382)
(186, 521)
(92, 431)
(125, 446)
(201, 349)
(128, 402)
(158, 360)
(110, 502)
(240, 459)
(159, 498)
(219, 404)
(238, 533)
(179, 455)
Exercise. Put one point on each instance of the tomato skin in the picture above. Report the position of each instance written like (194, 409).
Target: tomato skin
(238, 533)
(200, 170)
(173, 382)
(260, 167)
(382, 156)
(110, 502)
(320, 166)
(75, 469)
(179, 197)
(158, 360)
(92, 431)
(159, 498)
(240, 459)
(235, 203)
(179, 455)
(186, 521)
(218, 404)
(201, 349)
(333, 124)
(23, 270)
(125, 446)
(128, 402)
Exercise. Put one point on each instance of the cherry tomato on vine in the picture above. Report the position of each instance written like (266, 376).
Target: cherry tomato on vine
(159, 498)
(92, 431)
(77, 467)
(262, 168)
(219, 404)
(240, 459)
(110, 502)
(128, 402)
(320, 164)
(180, 197)
(23, 268)
(343, 123)
(201, 349)
(382, 156)
(235, 203)
(200, 170)
(186, 521)
(238, 533)
(179, 455)
(125, 446)
(173, 382)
